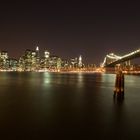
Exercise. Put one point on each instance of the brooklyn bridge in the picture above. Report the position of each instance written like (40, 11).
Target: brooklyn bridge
(111, 59)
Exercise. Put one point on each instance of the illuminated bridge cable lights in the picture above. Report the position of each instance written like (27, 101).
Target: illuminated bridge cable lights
(112, 59)
(132, 53)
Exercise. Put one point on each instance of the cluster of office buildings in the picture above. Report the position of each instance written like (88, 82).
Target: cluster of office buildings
(32, 60)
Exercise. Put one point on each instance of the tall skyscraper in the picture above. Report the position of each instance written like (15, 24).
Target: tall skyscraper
(37, 58)
(80, 61)
(46, 54)
(4, 62)
(37, 52)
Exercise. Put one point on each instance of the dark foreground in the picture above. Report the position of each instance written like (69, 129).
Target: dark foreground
(38, 106)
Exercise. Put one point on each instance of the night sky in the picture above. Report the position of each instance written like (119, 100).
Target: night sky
(70, 28)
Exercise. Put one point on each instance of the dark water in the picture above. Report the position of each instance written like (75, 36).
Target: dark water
(67, 106)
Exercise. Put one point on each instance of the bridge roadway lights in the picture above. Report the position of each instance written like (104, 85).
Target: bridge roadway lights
(119, 86)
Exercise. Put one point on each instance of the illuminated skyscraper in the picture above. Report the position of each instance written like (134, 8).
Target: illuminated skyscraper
(28, 61)
(59, 61)
(37, 52)
(37, 58)
(4, 60)
(37, 48)
(46, 54)
(74, 62)
(80, 61)
(13, 63)
(45, 60)
(4, 55)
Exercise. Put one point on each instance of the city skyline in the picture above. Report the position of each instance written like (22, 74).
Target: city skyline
(33, 60)
(41, 53)
(69, 29)
(134, 60)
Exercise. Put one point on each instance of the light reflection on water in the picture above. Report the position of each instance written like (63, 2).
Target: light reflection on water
(63, 104)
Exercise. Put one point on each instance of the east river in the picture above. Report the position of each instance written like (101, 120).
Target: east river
(73, 106)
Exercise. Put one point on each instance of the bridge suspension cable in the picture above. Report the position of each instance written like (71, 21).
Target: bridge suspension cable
(118, 59)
